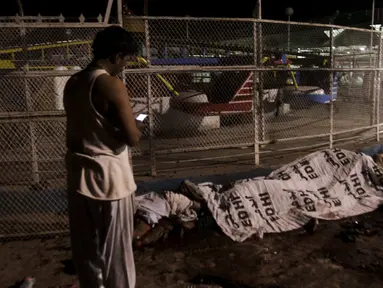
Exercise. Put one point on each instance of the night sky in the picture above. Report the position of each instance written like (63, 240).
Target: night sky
(303, 10)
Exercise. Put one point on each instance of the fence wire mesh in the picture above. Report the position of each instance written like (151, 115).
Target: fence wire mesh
(213, 88)
(201, 40)
(32, 125)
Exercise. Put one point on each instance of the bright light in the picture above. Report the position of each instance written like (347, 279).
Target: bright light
(336, 32)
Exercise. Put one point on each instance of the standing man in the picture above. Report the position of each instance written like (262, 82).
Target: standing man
(100, 127)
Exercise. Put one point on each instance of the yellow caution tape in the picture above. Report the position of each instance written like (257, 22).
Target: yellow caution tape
(162, 79)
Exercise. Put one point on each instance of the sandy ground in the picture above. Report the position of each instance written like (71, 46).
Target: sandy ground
(334, 256)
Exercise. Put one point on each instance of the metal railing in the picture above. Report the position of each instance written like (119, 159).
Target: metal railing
(213, 88)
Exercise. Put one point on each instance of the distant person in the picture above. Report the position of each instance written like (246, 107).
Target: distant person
(101, 187)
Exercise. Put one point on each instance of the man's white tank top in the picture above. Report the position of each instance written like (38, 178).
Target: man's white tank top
(98, 165)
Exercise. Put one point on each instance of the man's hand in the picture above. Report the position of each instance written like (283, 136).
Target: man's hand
(141, 126)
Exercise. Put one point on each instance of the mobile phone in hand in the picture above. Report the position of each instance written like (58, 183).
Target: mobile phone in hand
(141, 117)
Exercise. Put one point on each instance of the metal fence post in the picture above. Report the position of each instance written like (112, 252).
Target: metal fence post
(255, 97)
(372, 31)
(107, 12)
(119, 12)
(152, 154)
(373, 97)
(29, 107)
(332, 66)
(261, 113)
(32, 133)
(378, 86)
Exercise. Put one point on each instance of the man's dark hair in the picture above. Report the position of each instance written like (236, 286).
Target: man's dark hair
(112, 41)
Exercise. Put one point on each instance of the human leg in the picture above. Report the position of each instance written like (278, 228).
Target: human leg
(119, 268)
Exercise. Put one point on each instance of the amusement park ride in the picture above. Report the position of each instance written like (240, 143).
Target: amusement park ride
(229, 92)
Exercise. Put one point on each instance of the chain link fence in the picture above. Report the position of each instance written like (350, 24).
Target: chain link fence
(36, 60)
(214, 89)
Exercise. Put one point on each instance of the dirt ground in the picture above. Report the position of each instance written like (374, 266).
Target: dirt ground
(334, 256)
(345, 253)
(294, 259)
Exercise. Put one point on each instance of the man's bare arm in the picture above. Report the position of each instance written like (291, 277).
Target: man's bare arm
(114, 90)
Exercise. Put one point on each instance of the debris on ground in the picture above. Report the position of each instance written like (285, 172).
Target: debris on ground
(211, 281)
(311, 226)
(28, 282)
(159, 231)
(352, 229)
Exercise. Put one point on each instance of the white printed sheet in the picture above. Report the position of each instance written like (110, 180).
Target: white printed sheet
(329, 184)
